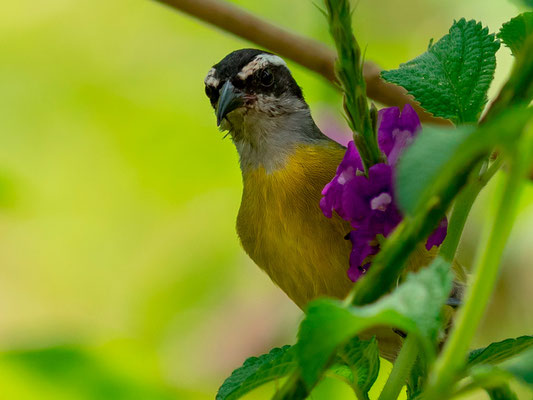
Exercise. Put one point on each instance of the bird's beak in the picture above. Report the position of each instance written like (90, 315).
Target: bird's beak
(230, 99)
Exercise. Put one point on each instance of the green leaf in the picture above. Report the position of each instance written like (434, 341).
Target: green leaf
(499, 351)
(422, 162)
(257, 371)
(519, 367)
(518, 90)
(416, 379)
(514, 33)
(414, 307)
(451, 79)
(436, 165)
(359, 364)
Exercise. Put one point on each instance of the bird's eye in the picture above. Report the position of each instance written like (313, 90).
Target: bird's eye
(266, 78)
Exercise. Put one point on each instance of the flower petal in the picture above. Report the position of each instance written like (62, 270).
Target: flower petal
(387, 122)
(339, 190)
(438, 235)
(409, 120)
(396, 131)
(368, 202)
(363, 246)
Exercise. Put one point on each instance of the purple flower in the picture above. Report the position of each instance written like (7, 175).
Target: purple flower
(396, 131)
(438, 235)
(333, 191)
(368, 203)
(370, 200)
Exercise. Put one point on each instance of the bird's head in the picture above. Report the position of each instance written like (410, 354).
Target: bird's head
(251, 81)
(258, 101)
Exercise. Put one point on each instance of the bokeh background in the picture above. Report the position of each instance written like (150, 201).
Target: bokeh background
(121, 275)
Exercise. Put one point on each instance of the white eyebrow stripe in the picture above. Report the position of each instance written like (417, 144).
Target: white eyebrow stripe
(210, 79)
(259, 62)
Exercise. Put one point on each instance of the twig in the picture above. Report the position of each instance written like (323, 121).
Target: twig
(307, 52)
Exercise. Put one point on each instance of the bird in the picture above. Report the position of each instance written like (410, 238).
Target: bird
(285, 162)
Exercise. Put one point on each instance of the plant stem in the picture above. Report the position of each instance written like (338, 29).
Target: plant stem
(462, 208)
(460, 212)
(350, 74)
(400, 370)
(453, 357)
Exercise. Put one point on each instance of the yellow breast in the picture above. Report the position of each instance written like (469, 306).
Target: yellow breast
(283, 230)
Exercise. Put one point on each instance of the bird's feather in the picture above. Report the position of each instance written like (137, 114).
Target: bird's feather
(282, 228)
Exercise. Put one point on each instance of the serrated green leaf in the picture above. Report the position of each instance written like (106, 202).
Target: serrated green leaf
(499, 351)
(257, 371)
(519, 367)
(514, 33)
(362, 357)
(436, 165)
(414, 307)
(451, 79)
(358, 364)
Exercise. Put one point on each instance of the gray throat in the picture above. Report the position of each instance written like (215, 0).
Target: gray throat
(267, 141)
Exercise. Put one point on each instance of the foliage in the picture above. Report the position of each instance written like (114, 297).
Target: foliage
(452, 77)
(450, 80)
(256, 371)
(519, 367)
(434, 148)
(414, 307)
(358, 362)
(499, 351)
(514, 33)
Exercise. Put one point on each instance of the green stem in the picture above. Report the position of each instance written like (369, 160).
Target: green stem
(400, 371)
(460, 212)
(349, 68)
(452, 358)
(462, 208)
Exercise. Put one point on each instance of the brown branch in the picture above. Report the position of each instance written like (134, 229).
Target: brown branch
(307, 52)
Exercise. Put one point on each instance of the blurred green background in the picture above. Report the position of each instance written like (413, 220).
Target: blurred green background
(121, 275)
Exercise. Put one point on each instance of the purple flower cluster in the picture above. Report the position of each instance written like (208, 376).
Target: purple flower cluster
(368, 203)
